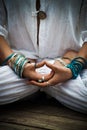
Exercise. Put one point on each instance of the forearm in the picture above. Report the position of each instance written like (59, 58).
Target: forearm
(73, 54)
(83, 51)
(79, 62)
(5, 49)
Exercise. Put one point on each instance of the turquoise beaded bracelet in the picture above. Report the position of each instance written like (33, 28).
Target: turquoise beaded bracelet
(76, 66)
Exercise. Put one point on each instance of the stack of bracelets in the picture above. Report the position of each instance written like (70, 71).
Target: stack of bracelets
(76, 66)
(16, 62)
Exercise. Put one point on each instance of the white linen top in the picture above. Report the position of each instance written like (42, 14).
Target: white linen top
(62, 29)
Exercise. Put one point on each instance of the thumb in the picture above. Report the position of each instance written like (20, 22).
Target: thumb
(40, 64)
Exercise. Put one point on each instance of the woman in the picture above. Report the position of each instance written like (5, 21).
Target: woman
(52, 37)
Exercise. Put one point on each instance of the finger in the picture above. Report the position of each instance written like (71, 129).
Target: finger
(42, 77)
(40, 64)
(44, 84)
(36, 76)
(53, 80)
(37, 83)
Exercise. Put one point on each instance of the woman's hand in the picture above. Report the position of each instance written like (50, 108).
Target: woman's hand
(31, 73)
(59, 74)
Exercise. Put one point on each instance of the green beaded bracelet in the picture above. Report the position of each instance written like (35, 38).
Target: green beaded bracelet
(76, 66)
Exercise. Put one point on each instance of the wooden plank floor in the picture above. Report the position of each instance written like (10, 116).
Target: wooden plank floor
(41, 113)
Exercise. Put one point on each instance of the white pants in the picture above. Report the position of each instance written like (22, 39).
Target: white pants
(72, 93)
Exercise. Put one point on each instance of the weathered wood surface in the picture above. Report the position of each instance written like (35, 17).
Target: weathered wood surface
(40, 114)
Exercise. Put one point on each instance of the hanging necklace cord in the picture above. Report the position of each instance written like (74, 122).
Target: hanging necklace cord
(38, 20)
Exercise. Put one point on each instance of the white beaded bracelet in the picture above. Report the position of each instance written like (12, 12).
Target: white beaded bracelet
(61, 61)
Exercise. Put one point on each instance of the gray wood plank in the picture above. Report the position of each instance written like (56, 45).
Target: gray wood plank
(41, 115)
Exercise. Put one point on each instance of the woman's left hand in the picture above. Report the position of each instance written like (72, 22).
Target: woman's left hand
(61, 74)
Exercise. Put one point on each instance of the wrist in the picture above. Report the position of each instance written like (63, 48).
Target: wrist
(67, 60)
(63, 60)
(17, 62)
(76, 66)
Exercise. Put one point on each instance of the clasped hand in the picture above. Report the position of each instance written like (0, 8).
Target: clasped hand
(58, 74)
